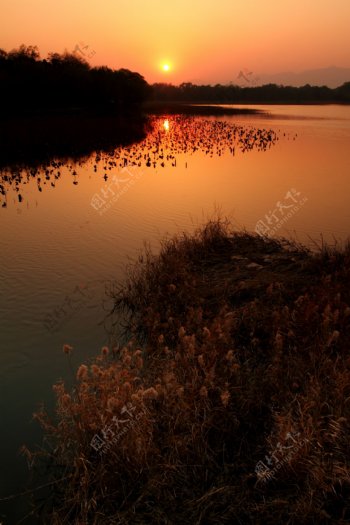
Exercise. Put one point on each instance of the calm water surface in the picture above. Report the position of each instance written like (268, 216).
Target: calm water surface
(62, 246)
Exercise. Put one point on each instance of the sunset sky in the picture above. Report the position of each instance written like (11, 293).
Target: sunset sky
(200, 41)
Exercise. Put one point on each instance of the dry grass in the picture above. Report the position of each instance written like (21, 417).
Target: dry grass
(233, 358)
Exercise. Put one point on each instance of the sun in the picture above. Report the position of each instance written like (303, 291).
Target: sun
(166, 67)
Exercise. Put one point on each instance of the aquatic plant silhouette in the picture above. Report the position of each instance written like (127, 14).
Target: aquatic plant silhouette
(157, 147)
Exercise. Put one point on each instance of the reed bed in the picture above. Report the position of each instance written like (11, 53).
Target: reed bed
(229, 404)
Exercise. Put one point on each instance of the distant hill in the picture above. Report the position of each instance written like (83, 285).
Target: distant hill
(330, 76)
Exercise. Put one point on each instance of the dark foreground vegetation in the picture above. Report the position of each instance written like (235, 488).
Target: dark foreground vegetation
(229, 404)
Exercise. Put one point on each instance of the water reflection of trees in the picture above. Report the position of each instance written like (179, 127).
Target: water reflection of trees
(167, 138)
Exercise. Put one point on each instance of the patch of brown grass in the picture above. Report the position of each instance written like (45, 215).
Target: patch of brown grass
(233, 360)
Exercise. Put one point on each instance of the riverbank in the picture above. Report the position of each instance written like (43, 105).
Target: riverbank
(188, 108)
(229, 404)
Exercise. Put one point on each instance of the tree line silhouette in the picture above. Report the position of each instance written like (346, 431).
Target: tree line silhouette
(65, 81)
(233, 94)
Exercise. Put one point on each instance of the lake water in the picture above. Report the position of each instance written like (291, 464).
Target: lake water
(65, 242)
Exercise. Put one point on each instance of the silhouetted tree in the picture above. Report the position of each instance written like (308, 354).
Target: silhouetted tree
(64, 82)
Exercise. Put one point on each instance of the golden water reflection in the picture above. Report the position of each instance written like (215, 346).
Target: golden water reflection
(183, 135)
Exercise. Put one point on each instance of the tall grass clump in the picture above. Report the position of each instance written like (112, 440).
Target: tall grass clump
(238, 356)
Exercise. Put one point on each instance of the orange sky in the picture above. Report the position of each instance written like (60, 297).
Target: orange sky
(203, 41)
